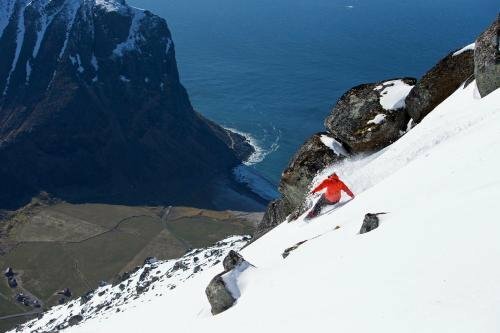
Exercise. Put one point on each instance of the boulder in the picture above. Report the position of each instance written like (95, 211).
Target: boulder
(9, 272)
(74, 320)
(222, 291)
(218, 295)
(276, 212)
(370, 222)
(370, 116)
(318, 152)
(232, 260)
(12, 282)
(487, 59)
(440, 82)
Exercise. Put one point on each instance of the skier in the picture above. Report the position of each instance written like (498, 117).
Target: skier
(333, 186)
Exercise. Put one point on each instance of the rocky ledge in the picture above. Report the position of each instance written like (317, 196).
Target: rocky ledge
(371, 116)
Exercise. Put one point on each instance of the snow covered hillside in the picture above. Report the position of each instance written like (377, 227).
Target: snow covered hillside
(429, 267)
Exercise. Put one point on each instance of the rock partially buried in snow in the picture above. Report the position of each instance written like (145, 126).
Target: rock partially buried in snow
(232, 260)
(218, 295)
(223, 291)
(440, 82)
(287, 251)
(370, 223)
(370, 116)
(487, 59)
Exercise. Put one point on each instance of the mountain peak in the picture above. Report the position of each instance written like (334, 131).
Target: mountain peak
(90, 98)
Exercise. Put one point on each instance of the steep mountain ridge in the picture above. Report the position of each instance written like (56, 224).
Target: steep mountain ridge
(92, 109)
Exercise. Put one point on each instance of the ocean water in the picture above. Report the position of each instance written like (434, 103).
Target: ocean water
(274, 68)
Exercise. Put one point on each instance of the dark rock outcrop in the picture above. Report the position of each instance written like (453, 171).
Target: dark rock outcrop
(218, 293)
(370, 223)
(318, 152)
(92, 109)
(75, 320)
(313, 156)
(361, 122)
(439, 83)
(232, 260)
(487, 59)
(276, 213)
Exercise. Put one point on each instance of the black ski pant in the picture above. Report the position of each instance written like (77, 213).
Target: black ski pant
(322, 202)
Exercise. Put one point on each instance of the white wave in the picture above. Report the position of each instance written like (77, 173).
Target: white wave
(260, 153)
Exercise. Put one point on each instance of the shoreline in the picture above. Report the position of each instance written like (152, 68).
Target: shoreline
(247, 175)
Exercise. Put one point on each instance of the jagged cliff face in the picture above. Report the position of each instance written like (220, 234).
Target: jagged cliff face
(91, 107)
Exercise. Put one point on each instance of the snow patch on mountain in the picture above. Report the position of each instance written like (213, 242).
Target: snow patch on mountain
(112, 6)
(71, 7)
(377, 120)
(46, 17)
(393, 94)
(94, 63)
(6, 9)
(21, 30)
(334, 145)
(134, 35)
(470, 47)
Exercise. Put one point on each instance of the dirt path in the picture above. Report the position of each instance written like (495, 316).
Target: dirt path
(164, 222)
(24, 314)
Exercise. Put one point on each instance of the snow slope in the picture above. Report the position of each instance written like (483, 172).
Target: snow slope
(431, 266)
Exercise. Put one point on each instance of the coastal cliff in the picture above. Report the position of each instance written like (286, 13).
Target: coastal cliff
(92, 109)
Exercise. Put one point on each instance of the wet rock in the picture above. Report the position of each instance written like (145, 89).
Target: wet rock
(487, 59)
(370, 223)
(362, 123)
(218, 295)
(439, 83)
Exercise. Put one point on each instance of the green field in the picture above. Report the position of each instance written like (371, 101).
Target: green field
(63, 245)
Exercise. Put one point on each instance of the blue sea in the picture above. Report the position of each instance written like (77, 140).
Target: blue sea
(273, 69)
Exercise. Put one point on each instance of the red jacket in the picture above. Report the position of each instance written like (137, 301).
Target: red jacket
(333, 186)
